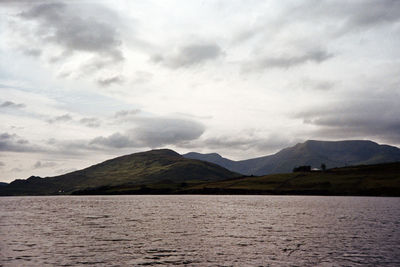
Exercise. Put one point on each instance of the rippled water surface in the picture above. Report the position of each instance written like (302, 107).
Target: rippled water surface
(199, 231)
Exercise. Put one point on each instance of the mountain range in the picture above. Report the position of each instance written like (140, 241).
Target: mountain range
(164, 171)
(312, 153)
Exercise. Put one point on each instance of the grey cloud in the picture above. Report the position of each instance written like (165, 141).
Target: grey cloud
(375, 12)
(141, 77)
(63, 25)
(14, 143)
(364, 14)
(60, 57)
(10, 104)
(111, 80)
(163, 131)
(318, 85)
(348, 15)
(190, 55)
(87, 27)
(244, 142)
(33, 52)
(62, 118)
(287, 61)
(70, 147)
(335, 18)
(144, 132)
(47, 164)
(17, 170)
(96, 64)
(115, 140)
(365, 118)
(153, 132)
(126, 113)
(90, 122)
(2, 164)
(20, 2)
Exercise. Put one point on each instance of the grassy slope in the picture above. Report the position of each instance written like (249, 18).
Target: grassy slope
(131, 170)
(369, 180)
(380, 179)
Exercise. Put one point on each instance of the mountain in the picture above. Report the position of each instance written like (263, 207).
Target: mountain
(364, 180)
(215, 158)
(311, 152)
(131, 171)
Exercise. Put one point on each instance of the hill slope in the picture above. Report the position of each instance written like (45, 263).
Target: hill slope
(363, 180)
(314, 153)
(154, 166)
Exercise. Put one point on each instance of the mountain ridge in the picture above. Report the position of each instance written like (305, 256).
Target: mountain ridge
(310, 152)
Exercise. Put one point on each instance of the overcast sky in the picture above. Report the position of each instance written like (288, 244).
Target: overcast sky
(84, 81)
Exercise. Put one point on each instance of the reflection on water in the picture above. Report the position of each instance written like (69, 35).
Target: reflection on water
(199, 231)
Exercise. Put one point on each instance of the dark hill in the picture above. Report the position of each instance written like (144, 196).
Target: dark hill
(363, 180)
(154, 166)
(313, 153)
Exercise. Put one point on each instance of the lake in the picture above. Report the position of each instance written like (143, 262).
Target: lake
(199, 231)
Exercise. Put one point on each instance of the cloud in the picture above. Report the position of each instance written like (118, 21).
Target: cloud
(317, 85)
(142, 132)
(349, 16)
(360, 15)
(375, 118)
(373, 13)
(287, 61)
(84, 38)
(115, 140)
(33, 52)
(321, 20)
(65, 25)
(16, 170)
(14, 143)
(153, 132)
(126, 113)
(62, 118)
(111, 80)
(141, 77)
(90, 122)
(160, 131)
(47, 164)
(10, 104)
(246, 142)
(189, 55)
(2, 164)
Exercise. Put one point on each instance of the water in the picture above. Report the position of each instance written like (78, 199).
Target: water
(199, 231)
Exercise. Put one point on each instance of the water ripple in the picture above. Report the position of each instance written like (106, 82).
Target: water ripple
(199, 231)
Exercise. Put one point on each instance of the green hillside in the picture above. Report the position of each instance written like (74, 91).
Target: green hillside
(363, 180)
(150, 167)
(368, 180)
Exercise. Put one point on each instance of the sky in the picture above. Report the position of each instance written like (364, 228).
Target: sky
(85, 81)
